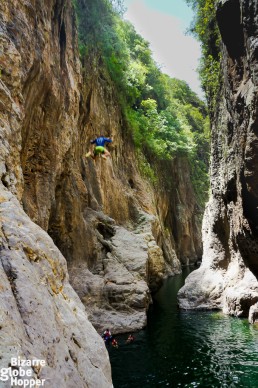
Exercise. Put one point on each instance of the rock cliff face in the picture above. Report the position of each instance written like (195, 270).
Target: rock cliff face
(227, 276)
(118, 236)
(41, 315)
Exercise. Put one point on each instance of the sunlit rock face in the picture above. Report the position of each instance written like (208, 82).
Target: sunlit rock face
(227, 276)
(119, 226)
(118, 236)
(41, 315)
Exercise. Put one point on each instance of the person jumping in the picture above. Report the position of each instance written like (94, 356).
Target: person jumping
(99, 148)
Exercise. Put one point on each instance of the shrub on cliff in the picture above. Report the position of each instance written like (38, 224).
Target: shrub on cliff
(166, 117)
(205, 29)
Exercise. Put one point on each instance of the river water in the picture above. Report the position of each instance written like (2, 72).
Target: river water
(186, 349)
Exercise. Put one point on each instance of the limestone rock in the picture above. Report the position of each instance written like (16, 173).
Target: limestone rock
(202, 290)
(119, 236)
(41, 315)
(116, 290)
(253, 314)
(228, 275)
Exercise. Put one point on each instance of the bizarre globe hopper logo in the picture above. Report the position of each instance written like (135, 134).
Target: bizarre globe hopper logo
(23, 373)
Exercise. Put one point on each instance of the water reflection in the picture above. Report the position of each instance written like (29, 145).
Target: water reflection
(187, 349)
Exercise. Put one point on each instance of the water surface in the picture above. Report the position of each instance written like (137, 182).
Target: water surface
(186, 349)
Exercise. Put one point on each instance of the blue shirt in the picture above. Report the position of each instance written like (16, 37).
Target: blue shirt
(100, 141)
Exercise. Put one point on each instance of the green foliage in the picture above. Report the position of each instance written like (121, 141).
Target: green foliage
(206, 30)
(166, 117)
(146, 168)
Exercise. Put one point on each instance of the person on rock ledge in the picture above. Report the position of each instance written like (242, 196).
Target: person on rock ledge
(99, 148)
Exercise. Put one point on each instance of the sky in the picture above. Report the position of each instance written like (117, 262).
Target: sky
(164, 23)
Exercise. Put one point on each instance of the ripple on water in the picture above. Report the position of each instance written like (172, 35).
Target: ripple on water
(187, 349)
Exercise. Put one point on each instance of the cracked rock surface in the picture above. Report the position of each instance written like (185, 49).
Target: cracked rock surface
(41, 316)
(103, 221)
(227, 278)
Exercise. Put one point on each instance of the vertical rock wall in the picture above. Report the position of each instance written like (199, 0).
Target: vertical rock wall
(41, 316)
(129, 228)
(119, 235)
(178, 209)
(227, 276)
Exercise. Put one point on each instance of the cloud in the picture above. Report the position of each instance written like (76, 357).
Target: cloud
(176, 52)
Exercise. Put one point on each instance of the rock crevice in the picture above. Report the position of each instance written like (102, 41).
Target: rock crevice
(103, 221)
(228, 274)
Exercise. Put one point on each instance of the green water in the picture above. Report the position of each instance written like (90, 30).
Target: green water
(187, 349)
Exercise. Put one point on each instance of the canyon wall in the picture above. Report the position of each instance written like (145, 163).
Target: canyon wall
(116, 234)
(227, 278)
(41, 315)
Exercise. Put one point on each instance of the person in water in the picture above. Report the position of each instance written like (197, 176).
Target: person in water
(114, 343)
(99, 148)
(107, 336)
(130, 339)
